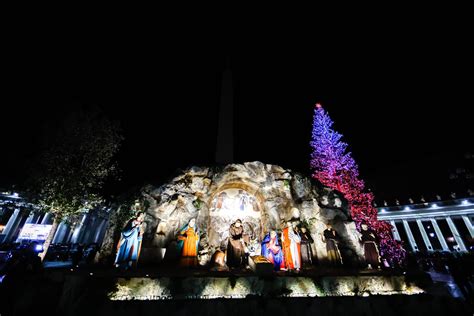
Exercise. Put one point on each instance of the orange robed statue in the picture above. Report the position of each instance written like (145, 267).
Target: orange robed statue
(188, 241)
(291, 242)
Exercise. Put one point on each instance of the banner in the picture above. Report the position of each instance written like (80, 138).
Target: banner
(35, 232)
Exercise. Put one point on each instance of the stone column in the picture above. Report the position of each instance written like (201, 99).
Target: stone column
(411, 239)
(439, 234)
(456, 234)
(396, 235)
(70, 233)
(426, 239)
(99, 231)
(47, 219)
(32, 218)
(60, 232)
(77, 231)
(88, 230)
(12, 225)
(468, 225)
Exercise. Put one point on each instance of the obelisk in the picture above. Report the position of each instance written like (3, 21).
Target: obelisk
(225, 129)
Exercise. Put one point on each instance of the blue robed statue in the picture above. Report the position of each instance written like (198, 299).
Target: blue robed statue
(271, 250)
(128, 248)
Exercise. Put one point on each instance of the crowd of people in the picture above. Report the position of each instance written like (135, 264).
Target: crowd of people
(460, 266)
(77, 253)
(25, 256)
(18, 262)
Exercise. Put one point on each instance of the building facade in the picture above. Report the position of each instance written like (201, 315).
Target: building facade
(15, 212)
(435, 226)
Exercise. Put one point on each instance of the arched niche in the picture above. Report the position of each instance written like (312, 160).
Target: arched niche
(232, 201)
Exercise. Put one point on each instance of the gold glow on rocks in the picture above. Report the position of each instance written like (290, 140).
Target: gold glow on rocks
(212, 287)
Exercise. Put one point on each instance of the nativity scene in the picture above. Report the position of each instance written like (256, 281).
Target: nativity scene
(232, 218)
(241, 220)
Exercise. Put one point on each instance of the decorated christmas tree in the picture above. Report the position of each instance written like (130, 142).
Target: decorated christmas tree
(334, 167)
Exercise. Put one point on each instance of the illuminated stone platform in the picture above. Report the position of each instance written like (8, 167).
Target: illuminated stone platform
(156, 292)
(165, 288)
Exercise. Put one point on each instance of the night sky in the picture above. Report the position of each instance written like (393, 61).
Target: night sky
(402, 103)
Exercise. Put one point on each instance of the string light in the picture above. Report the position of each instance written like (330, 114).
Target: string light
(335, 168)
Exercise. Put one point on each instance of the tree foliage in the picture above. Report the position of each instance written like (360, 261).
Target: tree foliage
(334, 167)
(78, 158)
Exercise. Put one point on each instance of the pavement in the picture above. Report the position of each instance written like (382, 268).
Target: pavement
(448, 281)
(57, 264)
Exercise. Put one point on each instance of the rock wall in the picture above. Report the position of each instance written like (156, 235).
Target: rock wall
(278, 194)
(242, 287)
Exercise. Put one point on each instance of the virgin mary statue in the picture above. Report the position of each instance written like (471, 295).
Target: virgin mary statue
(271, 250)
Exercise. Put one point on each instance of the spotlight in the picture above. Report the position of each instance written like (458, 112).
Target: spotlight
(39, 248)
(465, 202)
(434, 205)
